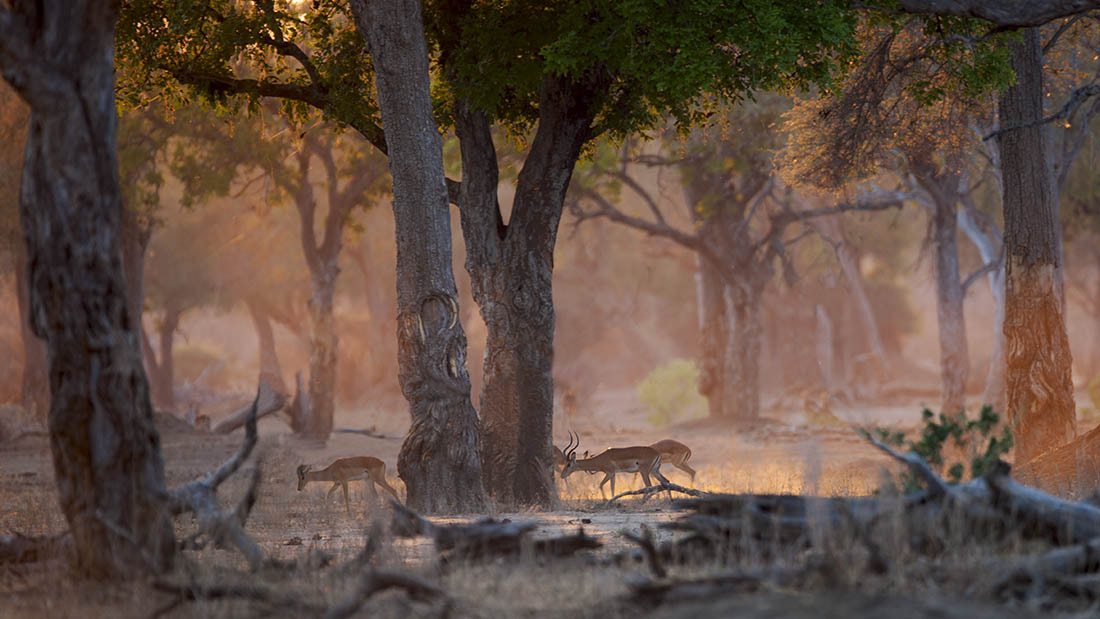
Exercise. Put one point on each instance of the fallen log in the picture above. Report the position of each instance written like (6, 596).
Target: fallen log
(488, 538)
(268, 401)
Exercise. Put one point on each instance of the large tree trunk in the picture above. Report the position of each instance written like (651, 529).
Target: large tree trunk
(511, 271)
(271, 371)
(317, 421)
(36, 385)
(106, 452)
(439, 460)
(743, 358)
(1039, 386)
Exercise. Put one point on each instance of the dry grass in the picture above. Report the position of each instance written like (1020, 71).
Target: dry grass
(294, 526)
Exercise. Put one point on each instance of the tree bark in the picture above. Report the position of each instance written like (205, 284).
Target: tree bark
(954, 355)
(164, 378)
(106, 452)
(743, 391)
(36, 385)
(135, 242)
(439, 460)
(715, 334)
(271, 371)
(511, 272)
(1038, 379)
(317, 424)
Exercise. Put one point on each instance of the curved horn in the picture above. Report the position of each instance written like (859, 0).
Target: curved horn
(577, 443)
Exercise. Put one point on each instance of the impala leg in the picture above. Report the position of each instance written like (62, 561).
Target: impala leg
(612, 474)
(347, 505)
(328, 497)
(607, 477)
(388, 488)
(683, 466)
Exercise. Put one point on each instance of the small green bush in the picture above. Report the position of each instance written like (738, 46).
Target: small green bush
(966, 436)
(671, 393)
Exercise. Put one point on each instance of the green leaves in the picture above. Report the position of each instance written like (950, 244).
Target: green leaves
(953, 437)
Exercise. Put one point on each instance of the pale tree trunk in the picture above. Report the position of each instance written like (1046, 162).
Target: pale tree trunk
(439, 460)
(271, 371)
(36, 385)
(832, 228)
(954, 355)
(511, 269)
(989, 247)
(1039, 386)
(106, 451)
(826, 354)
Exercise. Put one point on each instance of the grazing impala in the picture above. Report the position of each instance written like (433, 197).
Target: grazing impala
(675, 453)
(644, 460)
(340, 472)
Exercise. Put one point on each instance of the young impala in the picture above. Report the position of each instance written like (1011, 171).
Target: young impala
(675, 453)
(340, 472)
(644, 460)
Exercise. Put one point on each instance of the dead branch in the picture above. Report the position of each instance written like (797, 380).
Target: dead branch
(200, 498)
(375, 581)
(191, 592)
(649, 491)
(1038, 514)
(371, 432)
(267, 401)
(916, 464)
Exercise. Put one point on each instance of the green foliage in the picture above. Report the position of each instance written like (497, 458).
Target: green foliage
(671, 393)
(956, 433)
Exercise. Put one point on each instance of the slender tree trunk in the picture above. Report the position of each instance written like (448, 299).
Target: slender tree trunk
(317, 423)
(954, 356)
(36, 384)
(849, 265)
(135, 242)
(271, 370)
(989, 248)
(826, 354)
(439, 460)
(164, 380)
(1039, 386)
(106, 451)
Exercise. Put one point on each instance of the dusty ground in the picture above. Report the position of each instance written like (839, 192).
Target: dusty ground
(288, 524)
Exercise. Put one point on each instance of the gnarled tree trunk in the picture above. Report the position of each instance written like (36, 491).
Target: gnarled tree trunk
(511, 270)
(743, 390)
(1039, 387)
(989, 243)
(135, 242)
(715, 334)
(439, 460)
(317, 420)
(106, 452)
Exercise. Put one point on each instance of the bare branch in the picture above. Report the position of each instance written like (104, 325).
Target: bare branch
(1076, 98)
(985, 269)
(608, 210)
(936, 485)
(645, 541)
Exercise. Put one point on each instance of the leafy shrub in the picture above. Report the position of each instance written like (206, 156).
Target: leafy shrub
(671, 393)
(961, 436)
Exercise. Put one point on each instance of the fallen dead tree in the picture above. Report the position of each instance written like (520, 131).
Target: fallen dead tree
(488, 538)
(881, 534)
(267, 401)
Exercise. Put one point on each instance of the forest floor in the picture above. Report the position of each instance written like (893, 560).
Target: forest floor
(773, 458)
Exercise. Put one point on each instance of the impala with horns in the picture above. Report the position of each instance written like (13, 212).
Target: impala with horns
(641, 459)
(340, 472)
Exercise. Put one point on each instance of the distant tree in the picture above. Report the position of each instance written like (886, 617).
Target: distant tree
(742, 220)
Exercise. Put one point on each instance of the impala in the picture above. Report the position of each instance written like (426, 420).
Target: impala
(675, 453)
(340, 472)
(644, 460)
